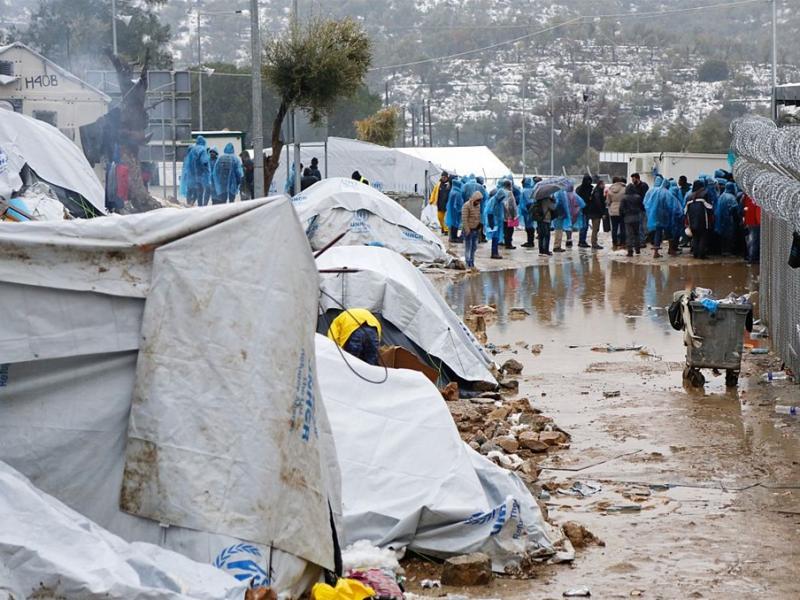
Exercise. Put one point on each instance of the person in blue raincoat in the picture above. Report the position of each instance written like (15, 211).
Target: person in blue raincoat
(659, 205)
(485, 209)
(196, 171)
(525, 212)
(726, 216)
(568, 216)
(676, 224)
(227, 176)
(288, 189)
(495, 218)
(452, 217)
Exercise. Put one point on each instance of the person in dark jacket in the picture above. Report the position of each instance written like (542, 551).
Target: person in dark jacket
(441, 201)
(699, 216)
(542, 212)
(595, 209)
(314, 168)
(584, 190)
(308, 179)
(641, 188)
(683, 185)
(249, 169)
(631, 209)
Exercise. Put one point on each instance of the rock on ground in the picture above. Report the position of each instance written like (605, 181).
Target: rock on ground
(467, 570)
(580, 536)
(512, 366)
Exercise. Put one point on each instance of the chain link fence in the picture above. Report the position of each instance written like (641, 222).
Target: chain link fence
(767, 167)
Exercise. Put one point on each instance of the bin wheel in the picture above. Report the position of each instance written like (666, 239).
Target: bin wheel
(731, 378)
(693, 377)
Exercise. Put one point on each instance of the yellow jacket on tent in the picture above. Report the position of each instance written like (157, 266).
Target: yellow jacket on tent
(346, 589)
(348, 321)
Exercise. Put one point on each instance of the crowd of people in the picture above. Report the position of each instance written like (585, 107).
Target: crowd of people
(208, 177)
(710, 216)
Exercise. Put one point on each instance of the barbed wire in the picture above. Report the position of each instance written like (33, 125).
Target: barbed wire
(759, 140)
(777, 193)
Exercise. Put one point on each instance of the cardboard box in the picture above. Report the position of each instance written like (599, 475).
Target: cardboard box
(397, 357)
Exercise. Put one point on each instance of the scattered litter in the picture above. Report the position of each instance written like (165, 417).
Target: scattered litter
(517, 313)
(770, 376)
(782, 409)
(624, 508)
(634, 316)
(612, 394)
(581, 592)
(430, 584)
(610, 348)
(759, 351)
(582, 489)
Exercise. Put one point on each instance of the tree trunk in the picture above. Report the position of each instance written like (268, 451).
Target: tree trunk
(132, 132)
(277, 146)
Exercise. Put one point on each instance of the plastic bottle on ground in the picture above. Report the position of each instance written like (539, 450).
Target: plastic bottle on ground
(782, 409)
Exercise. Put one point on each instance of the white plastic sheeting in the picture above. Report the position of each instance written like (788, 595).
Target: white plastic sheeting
(51, 155)
(367, 217)
(182, 312)
(388, 284)
(386, 169)
(408, 480)
(49, 550)
(462, 160)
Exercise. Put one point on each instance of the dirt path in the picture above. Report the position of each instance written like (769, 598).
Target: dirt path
(716, 473)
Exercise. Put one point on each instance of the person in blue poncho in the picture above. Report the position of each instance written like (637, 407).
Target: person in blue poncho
(196, 172)
(452, 217)
(525, 205)
(676, 225)
(495, 216)
(726, 216)
(485, 209)
(659, 206)
(482, 187)
(567, 216)
(227, 176)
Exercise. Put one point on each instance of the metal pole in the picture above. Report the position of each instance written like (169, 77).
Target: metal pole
(174, 144)
(258, 129)
(774, 58)
(297, 172)
(200, 67)
(552, 134)
(430, 123)
(114, 26)
(523, 127)
(588, 134)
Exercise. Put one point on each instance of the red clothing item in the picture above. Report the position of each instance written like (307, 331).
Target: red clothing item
(752, 212)
(122, 182)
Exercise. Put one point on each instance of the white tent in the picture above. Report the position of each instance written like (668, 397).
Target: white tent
(49, 550)
(49, 153)
(386, 169)
(388, 284)
(367, 217)
(407, 478)
(462, 160)
(158, 377)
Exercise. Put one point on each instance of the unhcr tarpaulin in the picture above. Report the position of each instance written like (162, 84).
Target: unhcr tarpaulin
(48, 550)
(178, 335)
(384, 282)
(408, 480)
(50, 154)
(366, 217)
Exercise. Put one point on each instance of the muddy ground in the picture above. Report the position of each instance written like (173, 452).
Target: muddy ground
(716, 473)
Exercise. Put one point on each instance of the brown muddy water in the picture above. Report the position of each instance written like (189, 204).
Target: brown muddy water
(715, 472)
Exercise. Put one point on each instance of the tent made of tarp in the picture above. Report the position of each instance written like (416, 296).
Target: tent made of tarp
(52, 157)
(462, 160)
(384, 282)
(48, 550)
(386, 169)
(408, 480)
(367, 217)
(158, 377)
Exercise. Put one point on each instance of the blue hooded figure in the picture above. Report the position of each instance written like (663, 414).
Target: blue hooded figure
(495, 218)
(227, 175)
(455, 201)
(288, 189)
(525, 211)
(470, 187)
(490, 198)
(196, 172)
(659, 207)
(726, 215)
(676, 222)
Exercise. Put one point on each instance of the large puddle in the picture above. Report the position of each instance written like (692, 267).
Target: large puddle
(591, 302)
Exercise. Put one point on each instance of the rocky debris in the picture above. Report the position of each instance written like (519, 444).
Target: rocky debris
(553, 438)
(483, 386)
(517, 313)
(512, 385)
(483, 309)
(512, 367)
(489, 447)
(450, 392)
(537, 348)
(477, 324)
(530, 441)
(580, 536)
(508, 443)
(467, 570)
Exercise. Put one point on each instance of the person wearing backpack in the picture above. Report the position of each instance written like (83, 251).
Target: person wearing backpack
(542, 213)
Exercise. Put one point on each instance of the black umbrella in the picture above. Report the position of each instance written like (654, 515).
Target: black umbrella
(549, 187)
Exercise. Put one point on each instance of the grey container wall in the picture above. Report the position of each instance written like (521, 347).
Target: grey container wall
(722, 334)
